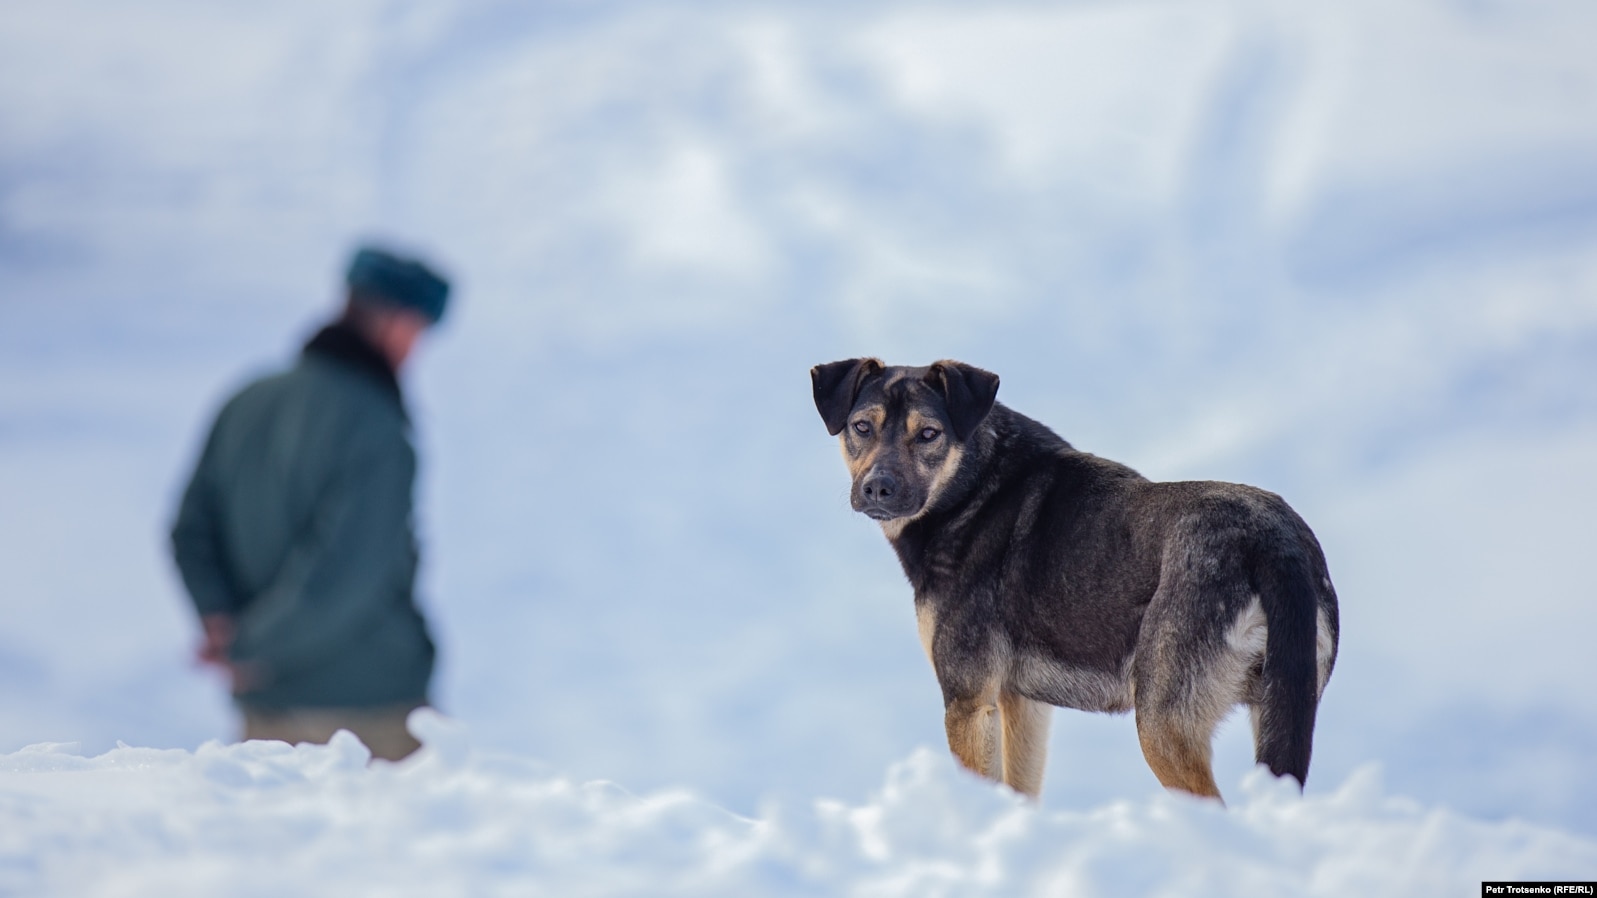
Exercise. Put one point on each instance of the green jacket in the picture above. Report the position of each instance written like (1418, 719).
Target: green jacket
(298, 523)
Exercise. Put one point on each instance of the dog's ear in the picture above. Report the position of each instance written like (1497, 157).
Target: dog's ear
(837, 386)
(969, 392)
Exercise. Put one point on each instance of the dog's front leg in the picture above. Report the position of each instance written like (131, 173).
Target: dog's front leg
(972, 724)
(1025, 727)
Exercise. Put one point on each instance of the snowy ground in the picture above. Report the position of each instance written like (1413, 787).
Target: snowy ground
(267, 819)
(1347, 253)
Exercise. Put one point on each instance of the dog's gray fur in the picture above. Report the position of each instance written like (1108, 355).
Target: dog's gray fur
(1048, 576)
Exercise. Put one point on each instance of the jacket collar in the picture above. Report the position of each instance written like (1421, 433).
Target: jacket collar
(343, 344)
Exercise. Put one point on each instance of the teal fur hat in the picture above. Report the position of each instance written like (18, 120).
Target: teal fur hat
(398, 281)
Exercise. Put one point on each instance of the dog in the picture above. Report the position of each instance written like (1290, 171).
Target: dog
(1046, 576)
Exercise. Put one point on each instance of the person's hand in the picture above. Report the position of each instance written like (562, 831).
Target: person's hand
(219, 630)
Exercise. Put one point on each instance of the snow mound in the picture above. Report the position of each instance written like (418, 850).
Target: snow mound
(264, 818)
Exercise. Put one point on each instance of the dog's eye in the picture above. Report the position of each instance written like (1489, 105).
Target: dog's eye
(927, 434)
(863, 428)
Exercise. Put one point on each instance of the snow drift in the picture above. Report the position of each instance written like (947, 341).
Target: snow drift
(264, 818)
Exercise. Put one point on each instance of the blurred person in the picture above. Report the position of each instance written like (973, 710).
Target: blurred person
(294, 536)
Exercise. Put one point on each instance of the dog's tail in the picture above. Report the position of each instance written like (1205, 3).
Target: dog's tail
(1284, 718)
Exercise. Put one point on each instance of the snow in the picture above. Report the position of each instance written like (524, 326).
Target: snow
(1347, 253)
(265, 818)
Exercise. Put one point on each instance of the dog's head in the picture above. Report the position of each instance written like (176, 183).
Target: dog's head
(904, 430)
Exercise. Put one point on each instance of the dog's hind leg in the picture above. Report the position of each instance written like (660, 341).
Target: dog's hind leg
(972, 725)
(1178, 752)
(1186, 678)
(1025, 728)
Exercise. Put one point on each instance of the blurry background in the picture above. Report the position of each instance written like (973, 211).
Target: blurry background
(1347, 252)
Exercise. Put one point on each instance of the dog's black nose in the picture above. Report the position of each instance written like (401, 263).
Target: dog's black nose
(879, 486)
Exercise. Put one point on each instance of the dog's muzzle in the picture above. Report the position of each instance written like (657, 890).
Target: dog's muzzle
(881, 496)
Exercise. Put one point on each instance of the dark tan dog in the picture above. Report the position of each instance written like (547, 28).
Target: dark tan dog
(1046, 576)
